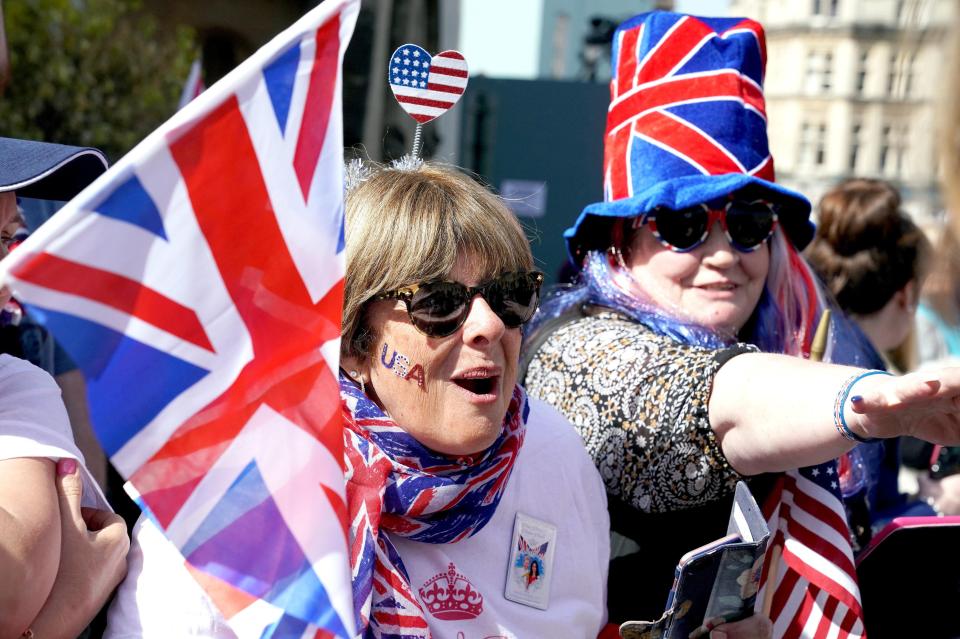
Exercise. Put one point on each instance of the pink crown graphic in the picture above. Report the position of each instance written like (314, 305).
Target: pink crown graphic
(450, 596)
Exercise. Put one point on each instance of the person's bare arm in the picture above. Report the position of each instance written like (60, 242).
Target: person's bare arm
(29, 541)
(93, 561)
(774, 412)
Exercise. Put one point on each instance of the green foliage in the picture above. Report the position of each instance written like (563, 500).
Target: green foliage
(96, 73)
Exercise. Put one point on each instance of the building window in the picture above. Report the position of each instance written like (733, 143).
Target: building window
(885, 141)
(825, 7)
(854, 147)
(901, 75)
(819, 71)
(892, 74)
(812, 149)
(893, 149)
(821, 150)
(909, 65)
(862, 72)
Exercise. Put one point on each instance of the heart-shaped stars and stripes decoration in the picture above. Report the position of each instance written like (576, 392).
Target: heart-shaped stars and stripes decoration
(424, 85)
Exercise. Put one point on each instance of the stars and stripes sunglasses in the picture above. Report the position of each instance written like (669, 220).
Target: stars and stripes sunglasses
(747, 224)
(439, 308)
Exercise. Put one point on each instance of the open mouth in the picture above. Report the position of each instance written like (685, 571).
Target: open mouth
(479, 384)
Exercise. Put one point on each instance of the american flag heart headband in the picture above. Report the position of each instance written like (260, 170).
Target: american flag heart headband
(426, 86)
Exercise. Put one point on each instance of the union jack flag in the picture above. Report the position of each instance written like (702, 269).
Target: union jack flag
(675, 97)
(199, 285)
(809, 561)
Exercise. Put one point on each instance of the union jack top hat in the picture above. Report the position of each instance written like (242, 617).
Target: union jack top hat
(686, 125)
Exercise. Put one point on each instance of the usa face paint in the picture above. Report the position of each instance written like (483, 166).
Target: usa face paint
(400, 365)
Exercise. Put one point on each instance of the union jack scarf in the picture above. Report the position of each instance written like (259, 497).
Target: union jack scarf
(396, 486)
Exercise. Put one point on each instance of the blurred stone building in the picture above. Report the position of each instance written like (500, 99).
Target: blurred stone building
(851, 89)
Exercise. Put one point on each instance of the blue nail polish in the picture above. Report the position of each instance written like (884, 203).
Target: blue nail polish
(856, 399)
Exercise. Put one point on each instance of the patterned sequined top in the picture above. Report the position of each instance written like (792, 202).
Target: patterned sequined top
(639, 400)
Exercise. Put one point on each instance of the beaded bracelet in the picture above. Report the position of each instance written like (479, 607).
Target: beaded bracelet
(839, 421)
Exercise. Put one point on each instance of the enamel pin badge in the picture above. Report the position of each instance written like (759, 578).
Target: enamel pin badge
(530, 569)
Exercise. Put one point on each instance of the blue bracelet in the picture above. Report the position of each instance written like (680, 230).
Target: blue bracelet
(839, 421)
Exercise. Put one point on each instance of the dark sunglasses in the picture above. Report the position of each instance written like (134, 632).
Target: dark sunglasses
(747, 225)
(438, 308)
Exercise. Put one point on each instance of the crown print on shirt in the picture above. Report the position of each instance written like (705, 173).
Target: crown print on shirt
(450, 596)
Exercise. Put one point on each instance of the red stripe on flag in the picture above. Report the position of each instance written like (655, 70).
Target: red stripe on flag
(116, 291)
(677, 44)
(455, 73)
(826, 621)
(617, 164)
(444, 88)
(765, 170)
(627, 60)
(683, 90)
(409, 99)
(316, 111)
(807, 606)
(819, 579)
(847, 624)
(783, 590)
(686, 142)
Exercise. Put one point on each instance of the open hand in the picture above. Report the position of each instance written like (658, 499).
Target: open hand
(924, 404)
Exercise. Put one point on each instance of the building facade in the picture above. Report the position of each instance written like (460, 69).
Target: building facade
(852, 89)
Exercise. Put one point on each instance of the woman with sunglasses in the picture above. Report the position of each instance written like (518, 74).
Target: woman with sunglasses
(689, 269)
(456, 482)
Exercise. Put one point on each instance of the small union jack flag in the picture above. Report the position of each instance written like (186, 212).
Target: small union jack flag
(199, 285)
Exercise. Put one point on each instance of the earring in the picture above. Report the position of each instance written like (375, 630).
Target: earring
(354, 374)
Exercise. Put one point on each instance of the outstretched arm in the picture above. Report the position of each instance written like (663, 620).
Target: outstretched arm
(774, 412)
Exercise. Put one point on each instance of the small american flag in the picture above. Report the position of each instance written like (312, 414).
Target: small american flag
(424, 85)
(814, 578)
(198, 284)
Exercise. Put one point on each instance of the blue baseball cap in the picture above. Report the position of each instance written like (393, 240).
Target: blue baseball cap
(47, 171)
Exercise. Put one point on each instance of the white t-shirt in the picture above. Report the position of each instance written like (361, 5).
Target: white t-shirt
(552, 475)
(34, 422)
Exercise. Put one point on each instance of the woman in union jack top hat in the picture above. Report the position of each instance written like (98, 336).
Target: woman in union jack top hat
(682, 355)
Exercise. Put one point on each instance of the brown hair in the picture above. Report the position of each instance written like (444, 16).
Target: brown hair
(410, 226)
(866, 249)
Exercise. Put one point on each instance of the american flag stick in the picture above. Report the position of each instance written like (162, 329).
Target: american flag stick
(817, 349)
